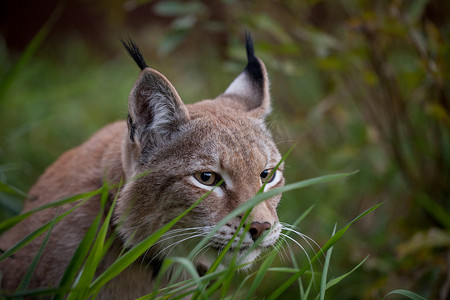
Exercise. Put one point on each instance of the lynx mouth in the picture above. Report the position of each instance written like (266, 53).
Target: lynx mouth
(244, 255)
(219, 248)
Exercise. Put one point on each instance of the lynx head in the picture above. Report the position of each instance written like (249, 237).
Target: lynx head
(185, 150)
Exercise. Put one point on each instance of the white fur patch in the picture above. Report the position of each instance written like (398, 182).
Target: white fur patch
(217, 190)
(274, 182)
(240, 86)
(162, 111)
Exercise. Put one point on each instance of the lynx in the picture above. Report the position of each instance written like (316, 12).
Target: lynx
(184, 151)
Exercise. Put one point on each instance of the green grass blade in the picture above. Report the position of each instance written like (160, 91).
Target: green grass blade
(82, 250)
(79, 256)
(177, 287)
(327, 246)
(407, 294)
(303, 215)
(340, 278)
(283, 270)
(34, 293)
(29, 274)
(302, 293)
(134, 253)
(296, 268)
(95, 254)
(241, 285)
(323, 280)
(5, 225)
(6, 188)
(223, 252)
(30, 237)
(308, 289)
(341, 232)
(189, 266)
(268, 259)
(227, 281)
(260, 275)
(223, 284)
(276, 168)
(264, 196)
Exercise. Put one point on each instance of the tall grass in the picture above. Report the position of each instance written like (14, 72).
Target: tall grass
(79, 280)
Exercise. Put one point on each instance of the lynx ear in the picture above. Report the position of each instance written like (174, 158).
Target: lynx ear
(155, 108)
(252, 85)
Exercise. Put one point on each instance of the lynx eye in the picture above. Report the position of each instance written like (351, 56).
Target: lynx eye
(265, 176)
(207, 178)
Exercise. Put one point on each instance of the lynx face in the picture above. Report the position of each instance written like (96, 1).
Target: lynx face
(185, 150)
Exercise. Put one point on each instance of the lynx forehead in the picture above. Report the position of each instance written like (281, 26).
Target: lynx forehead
(178, 153)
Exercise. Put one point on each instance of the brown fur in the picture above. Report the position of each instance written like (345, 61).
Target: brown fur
(171, 142)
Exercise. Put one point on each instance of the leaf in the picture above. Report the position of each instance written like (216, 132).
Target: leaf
(79, 256)
(29, 274)
(189, 266)
(260, 275)
(6, 188)
(323, 280)
(406, 293)
(95, 254)
(10, 204)
(340, 278)
(34, 292)
(177, 287)
(129, 257)
(30, 237)
(327, 246)
(5, 225)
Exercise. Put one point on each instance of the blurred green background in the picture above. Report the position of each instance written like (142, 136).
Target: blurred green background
(357, 85)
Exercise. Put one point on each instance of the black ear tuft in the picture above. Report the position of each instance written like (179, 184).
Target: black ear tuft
(251, 87)
(253, 67)
(134, 52)
(249, 46)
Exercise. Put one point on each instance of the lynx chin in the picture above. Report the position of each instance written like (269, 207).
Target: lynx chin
(168, 155)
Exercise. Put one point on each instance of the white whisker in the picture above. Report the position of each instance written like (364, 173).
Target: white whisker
(304, 237)
(291, 228)
(173, 245)
(278, 245)
(165, 237)
(306, 253)
(295, 230)
(203, 249)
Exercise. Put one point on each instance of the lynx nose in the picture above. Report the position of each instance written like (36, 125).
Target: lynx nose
(257, 228)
